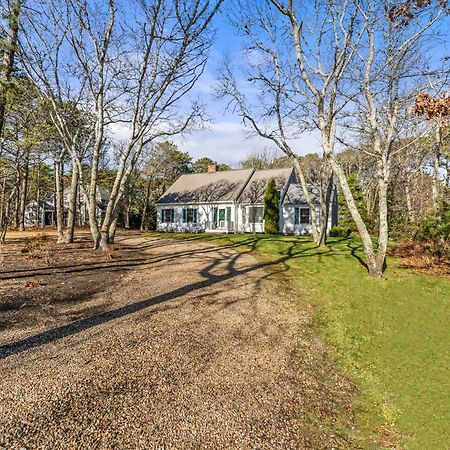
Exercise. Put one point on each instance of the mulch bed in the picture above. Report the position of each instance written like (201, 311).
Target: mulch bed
(422, 256)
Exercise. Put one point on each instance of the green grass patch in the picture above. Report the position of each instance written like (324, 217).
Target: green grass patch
(390, 336)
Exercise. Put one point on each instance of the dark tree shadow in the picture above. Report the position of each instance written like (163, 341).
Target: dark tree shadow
(221, 255)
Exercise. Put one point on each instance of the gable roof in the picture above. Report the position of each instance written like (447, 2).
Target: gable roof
(207, 187)
(294, 194)
(256, 188)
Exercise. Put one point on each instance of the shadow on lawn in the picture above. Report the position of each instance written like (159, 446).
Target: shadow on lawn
(222, 261)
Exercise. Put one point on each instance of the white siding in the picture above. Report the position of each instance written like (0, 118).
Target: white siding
(243, 225)
(287, 221)
(204, 218)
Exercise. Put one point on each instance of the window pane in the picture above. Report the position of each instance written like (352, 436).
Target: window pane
(304, 215)
(255, 214)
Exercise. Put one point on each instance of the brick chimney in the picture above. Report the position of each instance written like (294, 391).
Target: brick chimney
(213, 168)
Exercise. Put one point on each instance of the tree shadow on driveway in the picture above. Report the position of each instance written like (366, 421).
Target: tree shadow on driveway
(222, 262)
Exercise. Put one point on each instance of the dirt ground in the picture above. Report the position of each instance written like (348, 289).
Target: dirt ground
(170, 344)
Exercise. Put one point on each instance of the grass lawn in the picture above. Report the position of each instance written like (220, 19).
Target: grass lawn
(391, 336)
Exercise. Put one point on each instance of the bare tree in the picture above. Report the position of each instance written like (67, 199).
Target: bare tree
(45, 57)
(174, 56)
(300, 68)
(388, 61)
(331, 61)
(132, 72)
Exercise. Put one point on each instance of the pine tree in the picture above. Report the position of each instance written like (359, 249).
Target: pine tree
(271, 208)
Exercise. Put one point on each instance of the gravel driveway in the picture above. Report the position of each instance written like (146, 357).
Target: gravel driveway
(195, 346)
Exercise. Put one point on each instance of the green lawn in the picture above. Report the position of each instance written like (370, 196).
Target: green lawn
(391, 337)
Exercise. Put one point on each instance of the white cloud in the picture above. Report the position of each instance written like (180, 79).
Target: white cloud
(228, 142)
(225, 142)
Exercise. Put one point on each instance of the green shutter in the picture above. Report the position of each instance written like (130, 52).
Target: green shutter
(184, 215)
(195, 216)
(229, 213)
(215, 209)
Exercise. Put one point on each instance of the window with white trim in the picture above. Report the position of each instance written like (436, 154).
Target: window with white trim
(255, 214)
(189, 215)
(168, 215)
(301, 216)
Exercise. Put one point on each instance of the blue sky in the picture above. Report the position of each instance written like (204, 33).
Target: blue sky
(225, 139)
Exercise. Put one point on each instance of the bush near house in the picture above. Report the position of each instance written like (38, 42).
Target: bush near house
(340, 232)
(271, 208)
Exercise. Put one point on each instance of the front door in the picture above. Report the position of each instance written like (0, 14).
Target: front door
(221, 217)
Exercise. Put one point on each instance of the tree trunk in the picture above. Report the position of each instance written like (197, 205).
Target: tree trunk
(435, 186)
(112, 231)
(38, 192)
(5, 220)
(93, 226)
(72, 205)
(2, 199)
(16, 190)
(383, 227)
(59, 203)
(325, 212)
(127, 215)
(7, 65)
(24, 191)
(312, 207)
(371, 261)
(147, 198)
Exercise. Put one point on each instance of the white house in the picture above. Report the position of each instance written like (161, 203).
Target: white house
(233, 201)
(44, 213)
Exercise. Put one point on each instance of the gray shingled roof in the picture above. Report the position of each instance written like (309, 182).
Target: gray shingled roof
(295, 195)
(207, 187)
(256, 188)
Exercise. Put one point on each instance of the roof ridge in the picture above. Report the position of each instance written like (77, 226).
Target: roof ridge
(212, 173)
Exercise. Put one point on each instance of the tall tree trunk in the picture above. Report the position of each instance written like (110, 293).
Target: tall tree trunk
(16, 190)
(72, 204)
(3, 198)
(371, 261)
(59, 203)
(24, 190)
(435, 186)
(8, 60)
(325, 211)
(383, 226)
(147, 198)
(38, 193)
(127, 215)
(312, 206)
(117, 191)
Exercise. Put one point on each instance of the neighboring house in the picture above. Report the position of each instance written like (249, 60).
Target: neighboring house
(81, 215)
(233, 201)
(46, 210)
(40, 215)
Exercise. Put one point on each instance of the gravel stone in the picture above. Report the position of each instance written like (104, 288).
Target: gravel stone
(192, 345)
